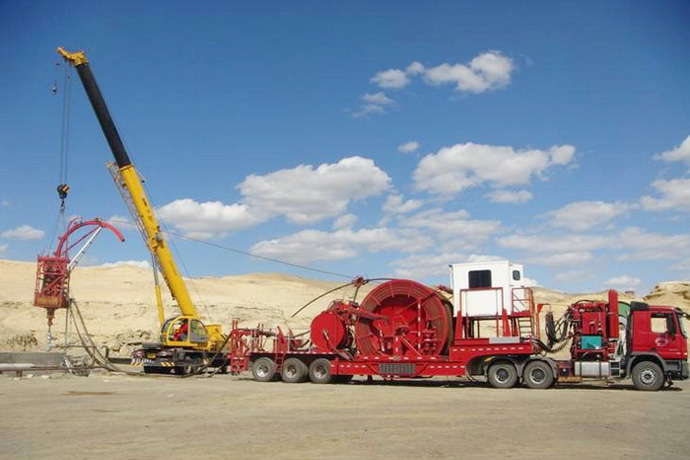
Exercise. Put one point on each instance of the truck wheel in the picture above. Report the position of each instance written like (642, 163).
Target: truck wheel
(538, 374)
(648, 376)
(263, 369)
(294, 371)
(320, 371)
(502, 375)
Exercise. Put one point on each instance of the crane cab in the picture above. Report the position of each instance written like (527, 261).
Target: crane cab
(184, 331)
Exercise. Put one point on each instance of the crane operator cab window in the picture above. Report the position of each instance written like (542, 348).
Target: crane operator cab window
(179, 330)
(187, 330)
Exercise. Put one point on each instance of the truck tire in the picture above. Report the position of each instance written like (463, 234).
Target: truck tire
(294, 371)
(502, 375)
(263, 369)
(320, 371)
(648, 376)
(538, 375)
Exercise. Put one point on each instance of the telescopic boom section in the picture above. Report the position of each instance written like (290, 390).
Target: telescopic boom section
(132, 183)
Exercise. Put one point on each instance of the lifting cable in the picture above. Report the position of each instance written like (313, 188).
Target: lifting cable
(244, 253)
(62, 187)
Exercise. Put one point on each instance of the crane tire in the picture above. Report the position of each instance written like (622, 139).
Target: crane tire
(294, 371)
(263, 369)
(502, 375)
(648, 376)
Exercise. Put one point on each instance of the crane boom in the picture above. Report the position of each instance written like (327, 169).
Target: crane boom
(131, 183)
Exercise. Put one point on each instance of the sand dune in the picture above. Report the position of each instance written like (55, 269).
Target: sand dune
(118, 303)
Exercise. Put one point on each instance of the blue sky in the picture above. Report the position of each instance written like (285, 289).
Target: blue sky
(383, 139)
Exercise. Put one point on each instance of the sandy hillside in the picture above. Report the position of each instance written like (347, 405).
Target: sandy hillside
(119, 309)
(118, 303)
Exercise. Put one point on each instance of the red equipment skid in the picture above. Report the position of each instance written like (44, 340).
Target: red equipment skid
(403, 329)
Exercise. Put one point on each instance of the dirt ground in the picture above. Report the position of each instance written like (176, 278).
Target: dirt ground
(107, 416)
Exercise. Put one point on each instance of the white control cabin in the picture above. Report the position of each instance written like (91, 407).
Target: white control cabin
(484, 289)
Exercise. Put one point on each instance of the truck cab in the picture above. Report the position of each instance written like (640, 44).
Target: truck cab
(657, 335)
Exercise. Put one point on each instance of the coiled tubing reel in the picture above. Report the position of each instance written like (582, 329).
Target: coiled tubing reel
(397, 318)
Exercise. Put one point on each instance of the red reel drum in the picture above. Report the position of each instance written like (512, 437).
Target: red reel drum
(327, 331)
(418, 321)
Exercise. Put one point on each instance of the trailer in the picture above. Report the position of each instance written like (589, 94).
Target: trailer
(485, 325)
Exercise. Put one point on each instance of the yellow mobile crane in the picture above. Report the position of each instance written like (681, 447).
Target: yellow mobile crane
(186, 343)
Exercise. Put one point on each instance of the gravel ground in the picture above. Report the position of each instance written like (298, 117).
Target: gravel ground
(107, 416)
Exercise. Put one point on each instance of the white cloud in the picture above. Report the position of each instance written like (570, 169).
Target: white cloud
(675, 195)
(316, 245)
(509, 196)
(421, 266)
(345, 222)
(5, 203)
(23, 232)
(556, 244)
(367, 109)
(486, 72)
(679, 153)
(574, 276)
(416, 68)
(4, 248)
(484, 258)
(307, 195)
(390, 79)
(623, 283)
(455, 229)
(584, 215)
(128, 263)
(563, 259)
(373, 103)
(630, 244)
(644, 245)
(453, 169)
(379, 98)
(409, 147)
(207, 219)
(395, 204)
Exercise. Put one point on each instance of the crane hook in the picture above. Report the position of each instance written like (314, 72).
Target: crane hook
(62, 191)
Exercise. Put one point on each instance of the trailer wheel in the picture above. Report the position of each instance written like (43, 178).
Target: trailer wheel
(502, 375)
(320, 371)
(648, 376)
(294, 371)
(538, 374)
(263, 369)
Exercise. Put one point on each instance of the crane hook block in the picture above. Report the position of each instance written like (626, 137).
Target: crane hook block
(62, 190)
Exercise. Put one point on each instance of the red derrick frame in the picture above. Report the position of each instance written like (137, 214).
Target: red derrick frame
(53, 272)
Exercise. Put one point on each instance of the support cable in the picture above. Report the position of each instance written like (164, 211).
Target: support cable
(245, 253)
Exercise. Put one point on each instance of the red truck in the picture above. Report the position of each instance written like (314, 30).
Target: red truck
(486, 325)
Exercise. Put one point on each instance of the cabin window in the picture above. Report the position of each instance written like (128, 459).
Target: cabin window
(480, 279)
(662, 323)
(516, 275)
(198, 332)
